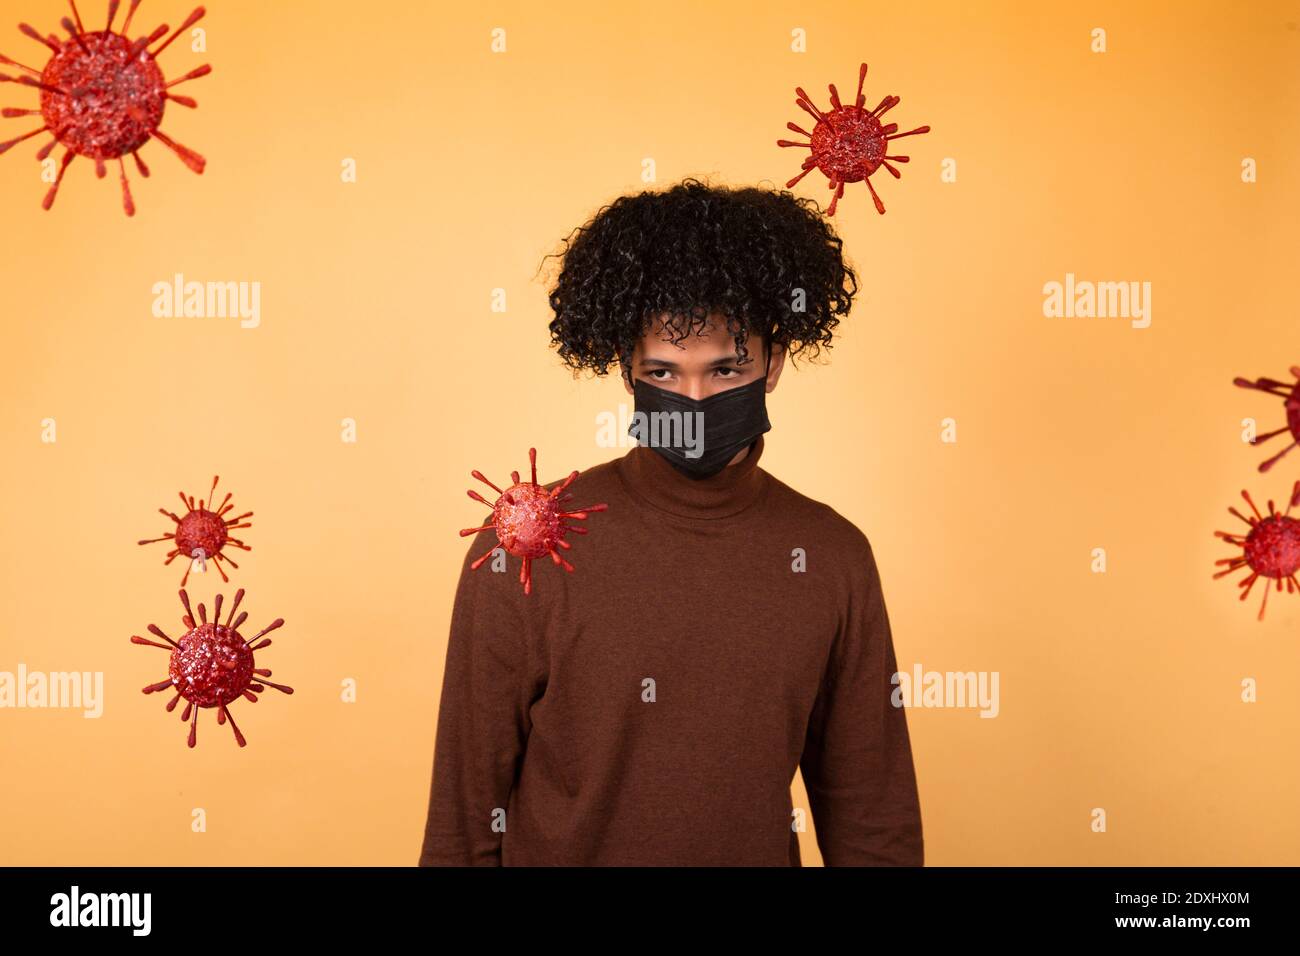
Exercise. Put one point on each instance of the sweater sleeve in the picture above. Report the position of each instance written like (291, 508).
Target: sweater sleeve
(488, 686)
(857, 759)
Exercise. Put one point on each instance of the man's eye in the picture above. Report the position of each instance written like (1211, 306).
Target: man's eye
(654, 373)
(730, 372)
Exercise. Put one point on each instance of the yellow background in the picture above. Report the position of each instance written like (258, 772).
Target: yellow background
(1118, 690)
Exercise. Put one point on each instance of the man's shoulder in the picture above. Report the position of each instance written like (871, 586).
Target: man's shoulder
(818, 517)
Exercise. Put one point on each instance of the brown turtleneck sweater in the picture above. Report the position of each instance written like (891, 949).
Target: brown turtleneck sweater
(652, 707)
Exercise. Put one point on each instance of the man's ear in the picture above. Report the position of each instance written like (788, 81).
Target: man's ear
(778, 363)
(625, 372)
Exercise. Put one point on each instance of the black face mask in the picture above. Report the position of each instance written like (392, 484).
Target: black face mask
(699, 445)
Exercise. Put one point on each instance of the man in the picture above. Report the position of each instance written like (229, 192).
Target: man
(721, 629)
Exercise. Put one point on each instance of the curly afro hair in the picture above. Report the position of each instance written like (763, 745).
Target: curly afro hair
(764, 259)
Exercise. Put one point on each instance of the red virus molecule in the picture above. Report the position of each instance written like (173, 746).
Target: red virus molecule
(849, 143)
(102, 96)
(1271, 549)
(212, 665)
(203, 533)
(529, 520)
(1290, 394)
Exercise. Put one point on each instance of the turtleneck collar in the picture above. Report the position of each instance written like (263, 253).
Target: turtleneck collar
(652, 478)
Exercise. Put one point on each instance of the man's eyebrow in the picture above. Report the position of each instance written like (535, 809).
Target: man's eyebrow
(665, 363)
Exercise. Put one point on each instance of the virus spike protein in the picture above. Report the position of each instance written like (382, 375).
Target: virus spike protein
(529, 520)
(849, 142)
(212, 665)
(1271, 549)
(1290, 395)
(204, 532)
(102, 96)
